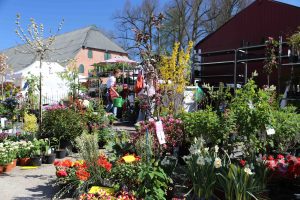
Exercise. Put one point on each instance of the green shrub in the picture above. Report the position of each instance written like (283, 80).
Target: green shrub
(62, 124)
(286, 123)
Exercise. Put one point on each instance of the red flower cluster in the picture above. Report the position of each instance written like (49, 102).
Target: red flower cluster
(288, 166)
(103, 162)
(61, 173)
(65, 163)
(82, 174)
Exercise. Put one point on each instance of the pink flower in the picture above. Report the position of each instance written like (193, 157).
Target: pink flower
(61, 173)
(279, 156)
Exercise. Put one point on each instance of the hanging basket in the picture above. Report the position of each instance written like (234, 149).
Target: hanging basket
(118, 102)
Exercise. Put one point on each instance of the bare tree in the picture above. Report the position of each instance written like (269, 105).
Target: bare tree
(140, 19)
(34, 43)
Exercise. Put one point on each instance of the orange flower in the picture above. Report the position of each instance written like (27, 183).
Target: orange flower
(82, 174)
(67, 163)
(102, 162)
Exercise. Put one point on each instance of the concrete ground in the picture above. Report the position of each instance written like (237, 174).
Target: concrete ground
(28, 184)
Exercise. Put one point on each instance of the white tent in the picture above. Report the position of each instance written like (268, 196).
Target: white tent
(53, 87)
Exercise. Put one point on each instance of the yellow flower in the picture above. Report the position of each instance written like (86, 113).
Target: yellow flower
(129, 158)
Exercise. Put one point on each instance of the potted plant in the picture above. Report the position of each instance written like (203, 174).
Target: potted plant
(8, 155)
(24, 152)
(60, 152)
(49, 156)
(36, 158)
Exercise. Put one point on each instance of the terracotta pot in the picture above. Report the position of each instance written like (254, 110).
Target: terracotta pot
(1, 169)
(9, 167)
(24, 161)
(15, 162)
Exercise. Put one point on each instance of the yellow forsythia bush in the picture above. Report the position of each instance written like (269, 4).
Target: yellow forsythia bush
(30, 123)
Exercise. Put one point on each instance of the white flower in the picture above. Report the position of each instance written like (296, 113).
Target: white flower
(216, 148)
(248, 171)
(208, 160)
(206, 149)
(200, 161)
(218, 163)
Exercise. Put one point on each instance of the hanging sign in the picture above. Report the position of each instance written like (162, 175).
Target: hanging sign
(160, 132)
(270, 130)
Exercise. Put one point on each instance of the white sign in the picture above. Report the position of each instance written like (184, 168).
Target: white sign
(160, 132)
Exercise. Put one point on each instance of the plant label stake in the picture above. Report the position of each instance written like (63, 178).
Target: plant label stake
(270, 130)
(160, 132)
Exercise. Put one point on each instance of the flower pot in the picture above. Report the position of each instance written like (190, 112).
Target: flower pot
(60, 153)
(67, 145)
(36, 161)
(1, 169)
(49, 159)
(9, 167)
(24, 161)
(14, 162)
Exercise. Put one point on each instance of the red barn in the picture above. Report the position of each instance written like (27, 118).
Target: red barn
(248, 31)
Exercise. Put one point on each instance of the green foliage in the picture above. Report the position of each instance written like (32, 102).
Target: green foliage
(62, 124)
(294, 40)
(204, 122)
(286, 123)
(88, 148)
(125, 175)
(237, 183)
(153, 181)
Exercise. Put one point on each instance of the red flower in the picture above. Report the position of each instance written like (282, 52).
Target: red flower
(67, 163)
(61, 173)
(82, 174)
(243, 163)
(270, 157)
(102, 161)
(279, 156)
(57, 163)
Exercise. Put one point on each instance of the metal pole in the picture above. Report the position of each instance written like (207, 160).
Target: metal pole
(123, 73)
(40, 99)
(246, 68)
(234, 70)
(279, 66)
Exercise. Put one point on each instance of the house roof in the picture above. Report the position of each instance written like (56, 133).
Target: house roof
(65, 47)
(237, 15)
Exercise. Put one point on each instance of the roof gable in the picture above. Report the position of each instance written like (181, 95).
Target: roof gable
(65, 47)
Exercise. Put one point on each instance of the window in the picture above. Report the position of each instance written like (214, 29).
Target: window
(107, 56)
(81, 69)
(90, 53)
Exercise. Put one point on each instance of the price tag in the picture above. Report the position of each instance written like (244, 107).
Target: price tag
(160, 132)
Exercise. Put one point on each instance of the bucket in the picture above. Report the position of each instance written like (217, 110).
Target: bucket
(118, 102)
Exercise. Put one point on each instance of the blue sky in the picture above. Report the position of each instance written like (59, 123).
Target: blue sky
(76, 13)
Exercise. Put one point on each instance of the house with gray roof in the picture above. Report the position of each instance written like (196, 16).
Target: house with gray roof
(86, 45)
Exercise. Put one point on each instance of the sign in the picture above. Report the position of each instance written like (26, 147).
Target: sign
(160, 132)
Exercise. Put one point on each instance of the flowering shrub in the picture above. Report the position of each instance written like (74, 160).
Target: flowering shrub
(24, 149)
(173, 129)
(30, 123)
(8, 151)
(288, 166)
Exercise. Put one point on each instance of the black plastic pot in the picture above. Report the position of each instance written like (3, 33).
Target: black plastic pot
(60, 153)
(49, 159)
(36, 161)
(67, 145)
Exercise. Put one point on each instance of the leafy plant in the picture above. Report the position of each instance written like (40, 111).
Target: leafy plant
(153, 181)
(238, 183)
(62, 124)
(30, 123)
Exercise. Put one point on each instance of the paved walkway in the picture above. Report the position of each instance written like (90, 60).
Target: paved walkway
(28, 184)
